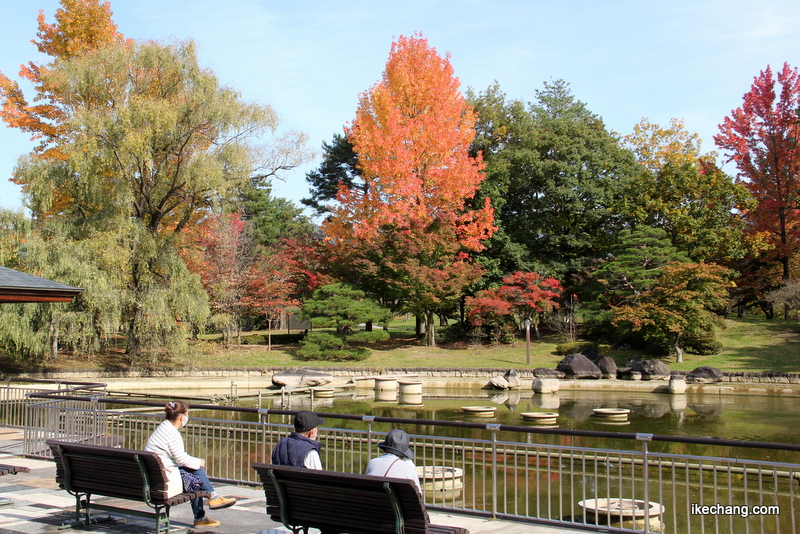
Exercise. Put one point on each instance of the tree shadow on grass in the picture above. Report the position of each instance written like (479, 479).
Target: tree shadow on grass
(776, 350)
(771, 358)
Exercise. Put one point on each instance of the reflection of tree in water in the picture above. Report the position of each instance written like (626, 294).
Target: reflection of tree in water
(707, 410)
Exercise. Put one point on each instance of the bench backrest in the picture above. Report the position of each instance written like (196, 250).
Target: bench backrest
(328, 500)
(109, 471)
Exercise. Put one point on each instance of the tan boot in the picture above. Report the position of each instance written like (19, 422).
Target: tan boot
(221, 502)
(206, 522)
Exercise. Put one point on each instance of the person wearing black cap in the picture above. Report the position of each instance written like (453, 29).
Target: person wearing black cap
(300, 448)
(398, 460)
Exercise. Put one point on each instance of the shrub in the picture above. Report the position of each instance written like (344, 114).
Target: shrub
(704, 346)
(277, 339)
(254, 339)
(576, 347)
(324, 346)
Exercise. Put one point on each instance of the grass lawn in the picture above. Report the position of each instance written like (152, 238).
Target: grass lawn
(750, 344)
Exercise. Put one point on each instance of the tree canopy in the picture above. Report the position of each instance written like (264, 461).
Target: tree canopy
(761, 137)
(409, 225)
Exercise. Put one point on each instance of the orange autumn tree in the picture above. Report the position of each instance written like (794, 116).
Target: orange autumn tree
(408, 230)
(81, 26)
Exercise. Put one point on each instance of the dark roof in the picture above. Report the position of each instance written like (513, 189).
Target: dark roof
(16, 286)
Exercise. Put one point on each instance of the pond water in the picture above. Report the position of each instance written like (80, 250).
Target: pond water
(770, 418)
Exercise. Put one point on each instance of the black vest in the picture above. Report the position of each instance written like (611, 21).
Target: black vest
(293, 450)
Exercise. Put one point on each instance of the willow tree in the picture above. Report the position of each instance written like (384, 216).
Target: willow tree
(151, 142)
(37, 331)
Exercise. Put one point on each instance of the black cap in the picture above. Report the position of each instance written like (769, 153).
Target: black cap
(305, 421)
(396, 442)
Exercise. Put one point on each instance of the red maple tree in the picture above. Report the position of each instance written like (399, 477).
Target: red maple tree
(270, 290)
(527, 295)
(761, 137)
(219, 253)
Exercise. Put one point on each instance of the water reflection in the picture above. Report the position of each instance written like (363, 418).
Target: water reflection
(743, 417)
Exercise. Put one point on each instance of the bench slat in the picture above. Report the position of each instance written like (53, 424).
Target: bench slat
(6, 469)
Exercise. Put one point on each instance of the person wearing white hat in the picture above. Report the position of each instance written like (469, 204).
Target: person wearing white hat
(397, 460)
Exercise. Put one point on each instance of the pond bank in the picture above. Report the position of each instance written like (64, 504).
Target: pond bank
(251, 380)
(733, 377)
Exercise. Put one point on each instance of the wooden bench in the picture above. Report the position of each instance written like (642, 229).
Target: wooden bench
(6, 469)
(87, 470)
(343, 502)
(12, 469)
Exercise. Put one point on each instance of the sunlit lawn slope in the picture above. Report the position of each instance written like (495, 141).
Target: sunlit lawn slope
(750, 344)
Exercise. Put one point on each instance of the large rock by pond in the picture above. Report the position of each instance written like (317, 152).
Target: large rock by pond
(546, 372)
(510, 380)
(497, 382)
(705, 374)
(578, 366)
(545, 385)
(651, 369)
(298, 378)
(607, 366)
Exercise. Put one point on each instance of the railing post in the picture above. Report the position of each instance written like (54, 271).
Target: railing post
(369, 419)
(5, 407)
(645, 438)
(95, 433)
(494, 427)
(262, 415)
(26, 434)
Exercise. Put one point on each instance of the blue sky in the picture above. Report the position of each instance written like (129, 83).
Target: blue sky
(310, 59)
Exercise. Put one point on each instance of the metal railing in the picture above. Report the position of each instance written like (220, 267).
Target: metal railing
(14, 395)
(546, 475)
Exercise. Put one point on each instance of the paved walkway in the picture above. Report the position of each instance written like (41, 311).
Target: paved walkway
(39, 506)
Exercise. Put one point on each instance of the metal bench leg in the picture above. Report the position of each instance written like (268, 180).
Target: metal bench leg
(162, 520)
(82, 503)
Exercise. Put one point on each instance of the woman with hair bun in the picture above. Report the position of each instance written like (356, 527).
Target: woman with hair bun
(185, 473)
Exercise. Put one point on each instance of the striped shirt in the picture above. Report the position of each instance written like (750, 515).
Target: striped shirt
(386, 466)
(167, 442)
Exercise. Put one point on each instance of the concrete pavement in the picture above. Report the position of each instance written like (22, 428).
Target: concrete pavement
(39, 506)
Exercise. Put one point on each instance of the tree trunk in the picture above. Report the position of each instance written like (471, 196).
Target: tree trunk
(527, 343)
(430, 333)
(368, 326)
(420, 327)
(678, 352)
(54, 340)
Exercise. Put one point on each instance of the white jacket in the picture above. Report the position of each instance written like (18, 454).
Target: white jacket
(167, 442)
